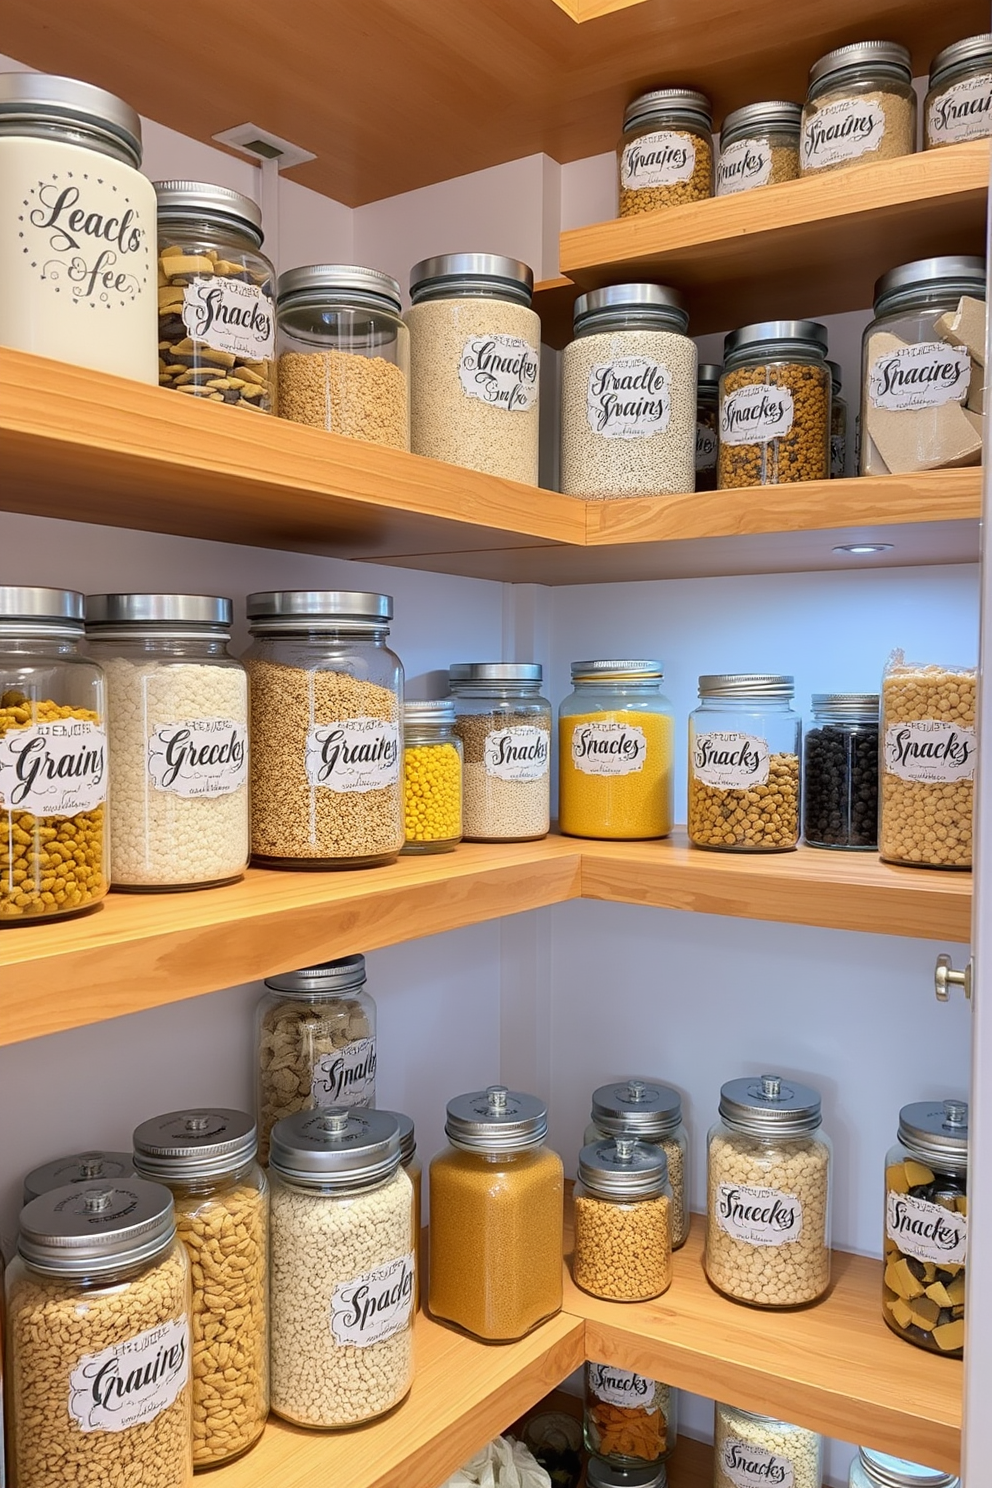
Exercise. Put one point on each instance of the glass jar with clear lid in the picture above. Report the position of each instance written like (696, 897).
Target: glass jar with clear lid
(749, 1448)
(838, 424)
(177, 705)
(433, 762)
(53, 760)
(326, 704)
(665, 154)
(923, 378)
(840, 771)
(80, 1167)
(505, 727)
(774, 405)
(744, 764)
(860, 106)
(959, 101)
(216, 302)
(759, 146)
(628, 1419)
(707, 424)
(768, 1206)
(872, 1469)
(206, 1158)
(344, 353)
(623, 1221)
(652, 1113)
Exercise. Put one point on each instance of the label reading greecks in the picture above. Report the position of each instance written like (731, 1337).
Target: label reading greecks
(923, 376)
(962, 113)
(373, 1307)
(86, 240)
(230, 315)
(629, 398)
(758, 1216)
(841, 131)
(746, 1464)
(622, 1387)
(609, 748)
(356, 754)
(663, 158)
(756, 414)
(926, 1231)
(730, 761)
(345, 1077)
(54, 769)
(930, 751)
(131, 1382)
(745, 163)
(199, 757)
(706, 447)
(520, 753)
(503, 371)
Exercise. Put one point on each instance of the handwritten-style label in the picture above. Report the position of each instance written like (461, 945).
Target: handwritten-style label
(758, 1216)
(86, 240)
(729, 761)
(629, 398)
(354, 755)
(345, 1077)
(840, 132)
(756, 414)
(962, 112)
(609, 748)
(503, 371)
(623, 1387)
(745, 1464)
(923, 376)
(745, 163)
(929, 750)
(663, 158)
(927, 1231)
(230, 315)
(199, 757)
(520, 753)
(131, 1382)
(54, 769)
(374, 1306)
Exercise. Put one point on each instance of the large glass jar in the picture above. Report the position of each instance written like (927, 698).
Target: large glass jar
(768, 1208)
(759, 146)
(496, 1197)
(414, 1169)
(99, 1293)
(744, 764)
(628, 1419)
(216, 308)
(505, 727)
(315, 1036)
(749, 1448)
(652, 1113)
(926, 1226)
(860, 106)
(475, 357)
(774, 405)
(877, 1470)
(923, 371)
(80, 1167)
(344, 353)
(326, 704)
(80, 227)
(177, 708)
(206, 1158)
(53, 760)
(665, 154)
(838, 424)
(707, 424)
(628, 395)
(433, 763)
(623, 1221)
(840, 771)
(959, 101)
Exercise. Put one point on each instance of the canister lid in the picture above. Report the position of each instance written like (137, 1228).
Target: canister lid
(709, 374)
(602, 1474)
(809, 334)
(80, 1167)
(623, 1168)
(847, 707)
(157, 612)
(91, 1228)
(950, 273)
(886, 54)
(496, 1118)
(638, 1108)
(317, 609)
(496, 671)
(312, 283)
(408, 1135)
(896, 1472)
(458, 273)
(759, 685)
(328, 979)
(41, 97)
(770, 1105)
(960, 53)
(658, 102)
(605, 670)
(429, 710)
(220, 203)
(652, 301)
(27, 608)
(204, 1142)
(776, 114)
(937, 1131)
(336, 1146)
(836, 376)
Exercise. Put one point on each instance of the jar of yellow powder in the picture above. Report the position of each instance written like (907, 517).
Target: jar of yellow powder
(432, 777)
(615, 752)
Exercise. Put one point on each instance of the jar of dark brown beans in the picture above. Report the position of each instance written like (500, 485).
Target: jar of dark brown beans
(840, 786)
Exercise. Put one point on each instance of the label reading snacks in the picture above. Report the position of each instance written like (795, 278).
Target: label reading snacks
(622, 1387)
(346, 1077)
(929, 750)
(609, 748)
(745, 163)
(54, 769)
(500, 370)
(230, 315)
(746, 1464)
(629, 398)
(758, 1216)
(730, 761)
(356, 754)
(519, 753)
(962, 113)
(927, 1231)
(373, 1307)
(131, 1382)
(199, 757)
(923, 376)
(756, 414)
(663, 158)
(843, 130)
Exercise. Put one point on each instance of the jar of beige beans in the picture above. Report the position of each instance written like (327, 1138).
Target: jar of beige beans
(505, 727)
(768, 1209)
(475, 363)
(652, 1113)
(860, 106)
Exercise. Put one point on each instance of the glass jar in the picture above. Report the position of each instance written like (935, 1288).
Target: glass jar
(326, 701)
(99, 1291)
(749, 1448)
(53, 760)
(877, 1470)
(840, 771)
(628, 1419)
(774, 405)
(707, 424)
(81, 1167)
(177, 706)
(665, 155)
(628, 395)
(343, 1268)
(475, 357)
(923, 373)
(768, 1179)
(316, 1042)
(505, 727)
(206, 1158)
(652, 1113)
(838, 425)
(216, 310)
(959, 101)
(82, 227)
(759, 146)
(432, 777)
(860, 106)
(344, 353)
(926, 1227)
(496, 1196)
(603, 1474)
(623, 1221)
(616, 755)
(744, 764)
(414, 1171)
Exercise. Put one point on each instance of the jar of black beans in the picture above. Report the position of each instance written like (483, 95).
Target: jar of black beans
(840, 791)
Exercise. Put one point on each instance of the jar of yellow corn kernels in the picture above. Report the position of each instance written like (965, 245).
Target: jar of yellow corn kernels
(432, 777)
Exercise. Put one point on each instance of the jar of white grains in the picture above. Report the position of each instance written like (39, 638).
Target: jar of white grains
(959, 101)
(505, 728)
(860, 106)
(652, 1113)
(79, 1167)
(748, 1449)
(877, 1470)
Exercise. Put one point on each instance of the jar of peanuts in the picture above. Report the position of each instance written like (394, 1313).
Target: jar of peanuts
(665, 155)
(652, 1113)
(774, 405)
(623, 1221)
(628, 1420)
(744, 764)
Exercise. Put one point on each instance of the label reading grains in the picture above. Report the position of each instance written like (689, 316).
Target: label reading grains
(926, 1231)
(622, 1387)
(519, 753)
(54, 769)
(843, 130)
(199, 757)
(746, 1464)
(131, 1382)
(745, 163)
(609, 749)
(500, 370)
(730, 761)
(373, 1307)
(663, 158)
(756, 414)
(345, 1077)
(923, 376)
(356, 754)
(928, 750)
(706, 447)
(629, 398)
(758, 1216)
(962, 113)
(230, 315)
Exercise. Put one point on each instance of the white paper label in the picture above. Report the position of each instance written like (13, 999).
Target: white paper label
(199, 757)
(87, 240)
(609, 748)
(962, 113)
(622, 1387)
(838, 456)
(756, 414)
(345, 1077)
(746, 1464)
(54, 769)
(923, 376)
(730, 761)
(230, 315)
(663, 158)
(758, 1216)
(745, 163)
(629, 398)
(520, 753)
(928, 750)
(706, 447)
(840, 131)
(373, 1307)
(357, 754)
(132, 1382)
(926, 1231)
(502, 371)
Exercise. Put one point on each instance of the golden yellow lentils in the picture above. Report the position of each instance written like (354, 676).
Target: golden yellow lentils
(432, 797)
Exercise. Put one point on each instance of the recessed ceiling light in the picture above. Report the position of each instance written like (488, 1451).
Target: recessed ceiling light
(860, 550)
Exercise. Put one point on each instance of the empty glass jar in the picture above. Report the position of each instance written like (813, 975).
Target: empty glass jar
(652, 1113)
(744, 764)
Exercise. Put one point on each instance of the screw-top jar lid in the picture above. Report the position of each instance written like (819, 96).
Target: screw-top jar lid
(763, 335)
(623, 1168)
(603, 1474)
(495, 671)
(27, 609)
(896, 1472)
(654, 303)
(950, 274)
(42, 98)
(659, 103)
(312, 284)
(88, 1229)
(327, 979)
(205, 1142)
(344, 1147)
(761, 685)
(937, 1132)
(769, 1105)
(960, 54)
(452, 274)
(80, 1167)
(429, 710)
(317, 609)
(605, 671)
(708, 374)
(778, 114)
(889, 57)
(847, 707)
(638, 1108)
(408, 1135)
(178, 199)
(496, 1119)
(127, 615)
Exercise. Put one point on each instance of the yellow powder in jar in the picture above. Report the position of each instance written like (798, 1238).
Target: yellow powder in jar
(615, 774)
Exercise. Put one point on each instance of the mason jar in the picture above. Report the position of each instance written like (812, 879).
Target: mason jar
(749, 1448)
(838, 424)
(774, 405)
(81, 227)
(505, 727)
(414, 1169)
(872, 1469)
(206, 1158)
(343, 1268)
(80, 1167)
(316, 1042)
(707, 424)
(433, 764)
(768, 1181)
(840, 772)
(628, 1420)
(652, 1113)
(344, 353)
(665, 154)
(53, 760)
(959, 101)
(744, 764)
(623, 1221)
(759, 146)
(926, 1227)
(860, 106)
(326, 707)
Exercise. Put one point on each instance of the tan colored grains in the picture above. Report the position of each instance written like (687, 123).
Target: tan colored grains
(191, 365)
(928, 722)
(830, 142)
(646, 155)
(363, 397)
(801, 454)
(623, 1251)
(676, 1177)
(294, 1037)
(768, 164)
(494, 809)
(760, 817)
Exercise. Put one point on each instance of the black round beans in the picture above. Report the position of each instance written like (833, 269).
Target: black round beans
(840, 798)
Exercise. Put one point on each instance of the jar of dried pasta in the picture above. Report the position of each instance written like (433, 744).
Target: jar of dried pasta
(775, 405)
(651, 1113)
(959, 101)
(759, 146)
(628, 1419)
(744, 764)
(623, 1221)
(665, 155)
(860, 106)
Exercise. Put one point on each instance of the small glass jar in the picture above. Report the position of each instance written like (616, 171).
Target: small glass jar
(343, 1268)
(628, 1420)
(838, 425)
(707, 424)
(749, 1448)
(959, 101)
(505, 727)
(475, 357)
(652, 1113)
(316, 1042)
(744, 764)
(759, 146)
(80, 1167)
(53, 760)
(877, 1470)
(344, 353)
(840, 771)
(923, 373)
(216, 309)
(206, 1158)
(926, 1227)
(616, 754)
(768, 1209)
(414, 1170)
(665, 155)
(860, 106)
(326, 705)
(774, 405)
(623, 1221)
(496, 1195)
(432, 777)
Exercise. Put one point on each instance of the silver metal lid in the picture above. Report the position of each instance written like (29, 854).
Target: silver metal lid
(896, 1472)
(429, 710)
(658, 102)
(769, 1105)
(605, 670)
(603, 1474)
(342, 1147)
(495, 671)
(496, 1119)
(886, 54)
(199, 198)
(29, 606)
(408, 1136)
(623, 1168)
(80, 1167)
(709, 373)
(952, 273)
(761, 685)
(777, 114)
(836, 375)
(651, 301)
(636, 1108)
(89, 1229)
(808, 333)
(458, 273)
(847, 707)
(41, 97)
(205, 1142)
(327, 979)
(937, 1131)
(312, 283)
(317, 609)
(143, 611)
(959, 54)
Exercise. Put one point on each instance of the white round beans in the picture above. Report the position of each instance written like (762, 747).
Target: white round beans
(750, 1449)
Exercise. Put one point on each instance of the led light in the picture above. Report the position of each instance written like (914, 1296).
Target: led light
(859, 550)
